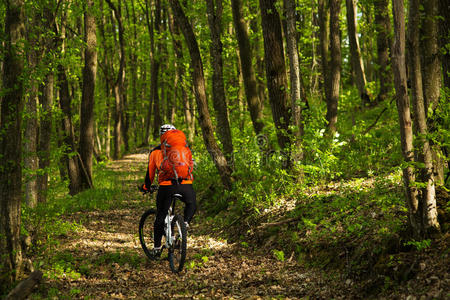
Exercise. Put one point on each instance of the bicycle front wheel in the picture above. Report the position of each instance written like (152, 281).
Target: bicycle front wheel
(146, 225)
(177, 253)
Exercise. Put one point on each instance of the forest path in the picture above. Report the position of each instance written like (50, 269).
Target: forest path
(113, 265)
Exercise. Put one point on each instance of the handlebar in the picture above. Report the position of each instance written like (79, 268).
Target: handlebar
(152, 189)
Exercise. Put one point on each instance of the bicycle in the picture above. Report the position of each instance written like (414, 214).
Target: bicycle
(175, 235)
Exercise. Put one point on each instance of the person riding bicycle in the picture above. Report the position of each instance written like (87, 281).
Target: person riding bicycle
(172, 160)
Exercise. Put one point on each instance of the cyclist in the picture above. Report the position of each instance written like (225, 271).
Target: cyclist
(168, 185)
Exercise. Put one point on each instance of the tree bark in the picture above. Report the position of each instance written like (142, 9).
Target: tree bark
(245, 51)
(31, 160)
(25, 287)
(11, 144)
(444, 33)
(156, 61)
(119, 84)
(335, 66)
(73, 169)
(214, 8)
(294, 72)
(324, 40)
(355, 51)
(45, 132)
(427, 195)
(276, 71)
(431, 74)
(404, 113)
(65, 100)
(87, 101)
(383, 26)
(188, 109)
(200, 94)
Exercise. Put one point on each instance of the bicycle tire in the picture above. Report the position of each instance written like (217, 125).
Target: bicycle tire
(146, 225)
(177, 253)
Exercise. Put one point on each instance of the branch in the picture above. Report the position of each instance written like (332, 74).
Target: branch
(25, 287)
(282, 222)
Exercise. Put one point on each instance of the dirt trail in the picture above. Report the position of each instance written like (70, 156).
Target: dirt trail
(113, 265)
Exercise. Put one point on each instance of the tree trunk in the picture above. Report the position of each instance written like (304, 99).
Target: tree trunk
(119, 84)
(200, 94)
(87, 101)
(188, 109)
(431, 74)
(294, 72)
(31, 161)
(276, 71)
(383, 27)
(335, 66)
(45, 131)
(404, 113)
(355, 51)
(11, 145)
(154, 95)
(431, 64)
(444, 33)
(214, 8)
(69, 138)
(245, 51)
(324, 29)
(427, 195)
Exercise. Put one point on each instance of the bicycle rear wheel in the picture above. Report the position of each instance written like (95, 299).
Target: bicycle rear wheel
(146, 225)
(177, 253)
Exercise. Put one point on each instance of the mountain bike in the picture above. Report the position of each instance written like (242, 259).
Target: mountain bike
(175, 234)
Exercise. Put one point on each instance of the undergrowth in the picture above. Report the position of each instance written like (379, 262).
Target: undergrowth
(45, 226)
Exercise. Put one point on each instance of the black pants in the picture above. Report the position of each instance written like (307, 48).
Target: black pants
(163, 203)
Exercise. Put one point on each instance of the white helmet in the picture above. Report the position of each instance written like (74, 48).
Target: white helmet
(166, 127)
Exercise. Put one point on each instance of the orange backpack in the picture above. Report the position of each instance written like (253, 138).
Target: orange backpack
(177, 161)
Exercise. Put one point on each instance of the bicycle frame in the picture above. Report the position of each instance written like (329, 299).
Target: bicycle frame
(168, 220)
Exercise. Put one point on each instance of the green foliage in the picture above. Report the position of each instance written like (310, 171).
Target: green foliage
(419, 245)
(278, 254)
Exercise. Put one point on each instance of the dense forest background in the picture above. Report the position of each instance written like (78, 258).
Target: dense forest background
(280, 100)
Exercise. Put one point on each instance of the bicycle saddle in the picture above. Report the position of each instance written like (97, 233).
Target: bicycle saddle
(177, 195)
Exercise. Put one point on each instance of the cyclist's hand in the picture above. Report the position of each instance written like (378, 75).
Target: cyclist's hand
(142, 189)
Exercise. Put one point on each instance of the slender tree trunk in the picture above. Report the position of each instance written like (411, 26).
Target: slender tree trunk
(404, 113)
(134, 73)
(444, 33)
(335, 66)
(157, 122)
(149, 21)
(31, 160)
(355, 51)
(427, 195)
(45, 132)
(276, 71)
(200, 94)
(324, 40)
(383, 26)
(215, 9)
(108, 72)
(46, 102)
(87, 100)
(241, 93)
(245, 51)
(188, 109)
(294, 72)
(119, 84)
(11, 145)
(69, 138)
